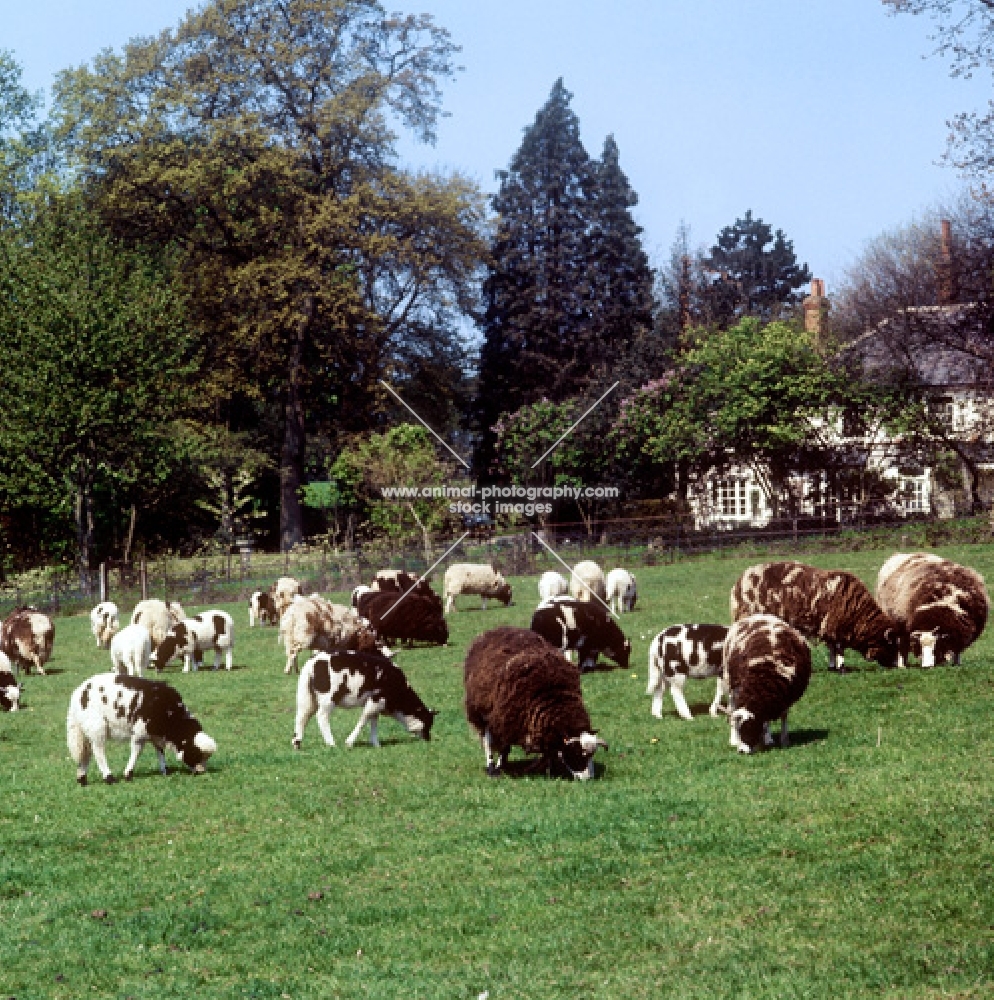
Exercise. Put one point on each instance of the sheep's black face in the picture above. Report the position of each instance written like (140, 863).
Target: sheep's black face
(504, 596)
(889, 651)
(751, 732)
(425, 717)
(623, 655)
(195, 748)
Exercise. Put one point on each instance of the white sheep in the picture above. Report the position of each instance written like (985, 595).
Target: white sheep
(316, 624)
(551, 584)
(621, 592)
(192, 637)
(158, 617)
(587, 582)
(131, 650)
(475, 578)
(284, 591)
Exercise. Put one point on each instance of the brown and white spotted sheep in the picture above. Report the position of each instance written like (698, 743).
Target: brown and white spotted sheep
(348, 679)
(522, 691)
(26, 637)
(10, 690)
(192, 637)
(683, 651)
(833, 606)
(942, 606)
(262, 609)
(316, 624)
(767, 669)
(119, 707)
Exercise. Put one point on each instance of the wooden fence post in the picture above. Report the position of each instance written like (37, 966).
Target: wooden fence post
(103, 582)
(143, 575)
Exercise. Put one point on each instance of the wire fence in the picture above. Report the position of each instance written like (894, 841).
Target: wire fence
(631, 542)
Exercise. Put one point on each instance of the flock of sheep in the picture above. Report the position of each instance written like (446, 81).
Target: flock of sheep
(522, 687)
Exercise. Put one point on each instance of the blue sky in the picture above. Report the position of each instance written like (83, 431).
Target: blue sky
(823, 117)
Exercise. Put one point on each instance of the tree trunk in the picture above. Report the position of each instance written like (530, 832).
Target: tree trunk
(292, 454)
(131, 535)
(84, 521)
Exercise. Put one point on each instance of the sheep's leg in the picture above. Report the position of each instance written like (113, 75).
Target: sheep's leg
(324, 720)
(228, 654)
(450, 603)
(655, 673)
(79, 747)
(137, 745)
(677, 682)
(217, 658)
(784, 735)
(483, 601)
(767, 735)
(370, 711)
(36, 660)
(160, 752)
(658, 692)
(955, 660)
(719, 692)
(101, 758)
(307, 705)
(493, 767)
(291, 662)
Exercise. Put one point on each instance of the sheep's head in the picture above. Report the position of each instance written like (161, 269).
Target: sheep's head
(10, 692)
(747, 729)
(890, 649)
(577, 754)
(420, 721)
(934, 647)
(504, 592)
(195, 748)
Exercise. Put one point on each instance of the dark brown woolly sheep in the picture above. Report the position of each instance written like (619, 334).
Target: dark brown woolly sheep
(943, 606)
(521, 690)
(831, 605)
(398, 581)
(767, 669)
(404, 616)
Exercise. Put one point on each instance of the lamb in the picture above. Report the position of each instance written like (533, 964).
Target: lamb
(475, 578)
(583, 626)
(520, 690)
(158, 617)
(316, 624)
(552, 584)
(767, 669)
(349, 679)
(410, 617)
(131, 650)
(683, 651)
(284, 591)
(193, 636)
(10, 690)
(587, 582)
(943, 606)
(120, 707)
(27, 636)
(262, 609)
(621, 592)
(105, 623)
(831, 605)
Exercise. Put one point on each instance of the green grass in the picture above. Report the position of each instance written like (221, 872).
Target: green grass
(837, 868)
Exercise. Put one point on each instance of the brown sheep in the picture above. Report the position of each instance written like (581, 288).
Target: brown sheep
(520, 690)
(767, 669)
(405, 616)
(831, 605)
(27, 636)
(943, 606)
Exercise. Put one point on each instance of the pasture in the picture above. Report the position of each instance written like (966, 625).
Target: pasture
(856, 863)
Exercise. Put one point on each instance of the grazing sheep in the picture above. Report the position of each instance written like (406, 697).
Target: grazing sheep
(105, 623)
(262, 609)
(621, 590)
(520, 690)
(475, 578)
(119, 707)
(284, 591)
(316, 624)
(192, 637)
(552, 584)
(583, 626)
(683, 651)
(767, 669)
(10, 690)
(831, 605)
(398, 581)
(349, 679)
(27, 636)
(158, 617)
(586, 583)
(410, 617)
(131, 650)
(943, 606)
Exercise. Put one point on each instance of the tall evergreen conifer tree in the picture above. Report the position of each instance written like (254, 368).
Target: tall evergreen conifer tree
(569, 283)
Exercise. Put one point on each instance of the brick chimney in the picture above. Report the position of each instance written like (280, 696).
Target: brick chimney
(948, 286)
(816, 308)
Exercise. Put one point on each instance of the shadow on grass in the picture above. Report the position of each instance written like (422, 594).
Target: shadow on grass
(802, 737)
(536, 767)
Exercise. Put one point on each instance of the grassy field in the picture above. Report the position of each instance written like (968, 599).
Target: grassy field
(856, 863)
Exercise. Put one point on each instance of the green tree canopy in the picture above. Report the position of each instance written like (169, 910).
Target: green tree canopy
(258, 138)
